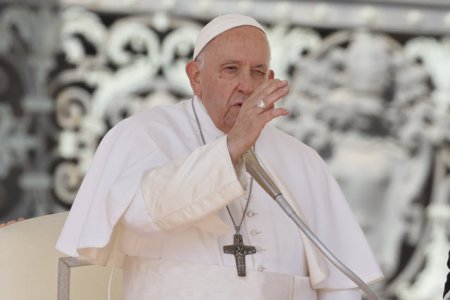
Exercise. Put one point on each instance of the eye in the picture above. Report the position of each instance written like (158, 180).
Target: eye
(230, 68)
(259, 72)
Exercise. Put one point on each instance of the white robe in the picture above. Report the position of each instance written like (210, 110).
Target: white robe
(152, 177)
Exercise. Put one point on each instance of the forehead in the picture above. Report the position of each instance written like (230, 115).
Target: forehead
(239, 43)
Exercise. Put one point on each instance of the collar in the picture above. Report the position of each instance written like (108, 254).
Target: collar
(210, 131)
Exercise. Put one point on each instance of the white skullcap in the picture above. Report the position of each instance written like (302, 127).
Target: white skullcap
(219, 25)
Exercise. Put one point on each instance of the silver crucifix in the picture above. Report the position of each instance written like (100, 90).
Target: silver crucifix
(239, 250)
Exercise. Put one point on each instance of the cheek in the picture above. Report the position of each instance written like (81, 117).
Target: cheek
(219, 93)
(259, 80)
(222, 91)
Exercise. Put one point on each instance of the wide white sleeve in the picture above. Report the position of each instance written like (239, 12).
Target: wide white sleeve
(350, 294)
(186, 190)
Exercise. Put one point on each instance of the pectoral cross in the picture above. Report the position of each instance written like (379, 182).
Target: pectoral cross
(239, 250)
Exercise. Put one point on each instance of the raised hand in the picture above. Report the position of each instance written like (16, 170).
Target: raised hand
(253, 116)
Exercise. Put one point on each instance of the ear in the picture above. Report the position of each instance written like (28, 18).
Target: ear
(193, 73)
(271, 74)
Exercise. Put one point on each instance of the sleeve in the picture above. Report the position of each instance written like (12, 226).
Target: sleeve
(126, 155)
(186, 190)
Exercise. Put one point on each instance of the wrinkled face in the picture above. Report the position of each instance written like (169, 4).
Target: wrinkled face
(228, 70)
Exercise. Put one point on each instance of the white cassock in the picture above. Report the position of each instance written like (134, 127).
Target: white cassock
(155, 185)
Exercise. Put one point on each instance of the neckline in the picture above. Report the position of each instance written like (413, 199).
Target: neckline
(209, 129)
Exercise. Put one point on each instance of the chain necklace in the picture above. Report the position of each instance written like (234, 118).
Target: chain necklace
(238, 249)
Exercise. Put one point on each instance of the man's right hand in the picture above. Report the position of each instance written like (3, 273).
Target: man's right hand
(252, 119)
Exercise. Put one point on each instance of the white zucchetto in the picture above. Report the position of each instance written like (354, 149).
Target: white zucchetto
(219, 25)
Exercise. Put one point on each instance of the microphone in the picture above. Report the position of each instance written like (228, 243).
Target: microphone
(255, 169)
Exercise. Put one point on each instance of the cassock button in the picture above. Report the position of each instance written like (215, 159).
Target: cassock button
(261, 268)
(251, 213)
(254, 232)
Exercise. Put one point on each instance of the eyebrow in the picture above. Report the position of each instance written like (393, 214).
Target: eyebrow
(263, 66)
(230, 62)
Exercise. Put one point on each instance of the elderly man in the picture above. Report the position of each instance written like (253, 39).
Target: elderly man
(168, 190)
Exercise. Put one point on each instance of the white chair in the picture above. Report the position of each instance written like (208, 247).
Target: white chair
(29, 265)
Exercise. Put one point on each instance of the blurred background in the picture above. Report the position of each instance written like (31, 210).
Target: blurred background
(370, 91)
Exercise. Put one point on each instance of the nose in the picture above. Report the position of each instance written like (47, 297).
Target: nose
(245, 83)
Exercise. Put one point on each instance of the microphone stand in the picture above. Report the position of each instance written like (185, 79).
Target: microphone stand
(260, 175)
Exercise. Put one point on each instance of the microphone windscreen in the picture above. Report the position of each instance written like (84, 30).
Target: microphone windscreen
(259, 174)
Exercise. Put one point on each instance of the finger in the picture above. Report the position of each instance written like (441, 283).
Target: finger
(273, 113)
(262, 110)
(276, 95)
(271, 92)
(270, 84)
(270, 103)
(266, 88)
(273, 86)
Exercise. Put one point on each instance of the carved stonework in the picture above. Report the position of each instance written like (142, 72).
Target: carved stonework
(136, 63)
(366, 104)
(27, 44)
